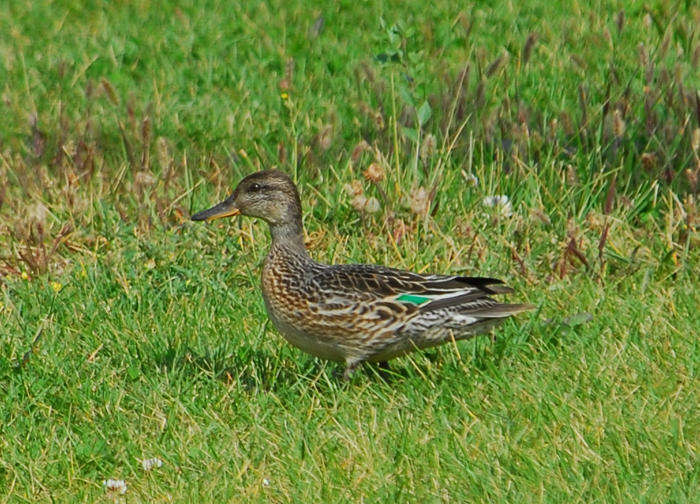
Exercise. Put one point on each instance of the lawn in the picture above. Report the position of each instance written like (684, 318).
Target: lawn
(128, 332)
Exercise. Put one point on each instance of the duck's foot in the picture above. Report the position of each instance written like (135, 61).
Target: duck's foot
(384, 369)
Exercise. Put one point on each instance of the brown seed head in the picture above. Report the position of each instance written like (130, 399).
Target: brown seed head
(374, 173)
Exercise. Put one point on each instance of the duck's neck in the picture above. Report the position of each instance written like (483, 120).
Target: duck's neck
(289, 235)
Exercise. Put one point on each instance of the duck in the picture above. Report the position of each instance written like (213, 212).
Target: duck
(355, 313)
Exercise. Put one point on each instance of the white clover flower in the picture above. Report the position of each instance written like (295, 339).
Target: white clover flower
(419, 201)
(265, 482)
(501, 202)
(372, 205)
(150, 463)
(116, 486)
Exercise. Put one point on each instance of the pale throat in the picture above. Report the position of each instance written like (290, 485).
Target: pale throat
(288, 233)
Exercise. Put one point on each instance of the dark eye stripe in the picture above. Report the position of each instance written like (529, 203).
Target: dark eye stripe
(254, 187)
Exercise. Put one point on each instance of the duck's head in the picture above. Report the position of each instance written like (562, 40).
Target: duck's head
(270, 195)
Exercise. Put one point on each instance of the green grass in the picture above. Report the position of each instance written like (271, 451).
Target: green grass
(149, 334)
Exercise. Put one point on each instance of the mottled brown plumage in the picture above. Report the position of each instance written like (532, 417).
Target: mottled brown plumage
(355, 313)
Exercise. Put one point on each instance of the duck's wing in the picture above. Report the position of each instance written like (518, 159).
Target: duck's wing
(367, 281)
(400, 310)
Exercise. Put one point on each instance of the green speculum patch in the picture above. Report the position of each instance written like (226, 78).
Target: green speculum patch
(413, 299)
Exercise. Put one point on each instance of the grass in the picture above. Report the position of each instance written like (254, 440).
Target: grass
(129, 333)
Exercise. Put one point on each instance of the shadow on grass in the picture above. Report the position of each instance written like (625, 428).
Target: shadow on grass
(253, 369)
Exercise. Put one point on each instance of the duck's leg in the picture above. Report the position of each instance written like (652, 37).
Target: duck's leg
(350, 367)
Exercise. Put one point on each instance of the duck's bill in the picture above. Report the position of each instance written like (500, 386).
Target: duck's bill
(223, 209)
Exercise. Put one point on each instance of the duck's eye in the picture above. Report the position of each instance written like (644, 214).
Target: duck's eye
(254, 187)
